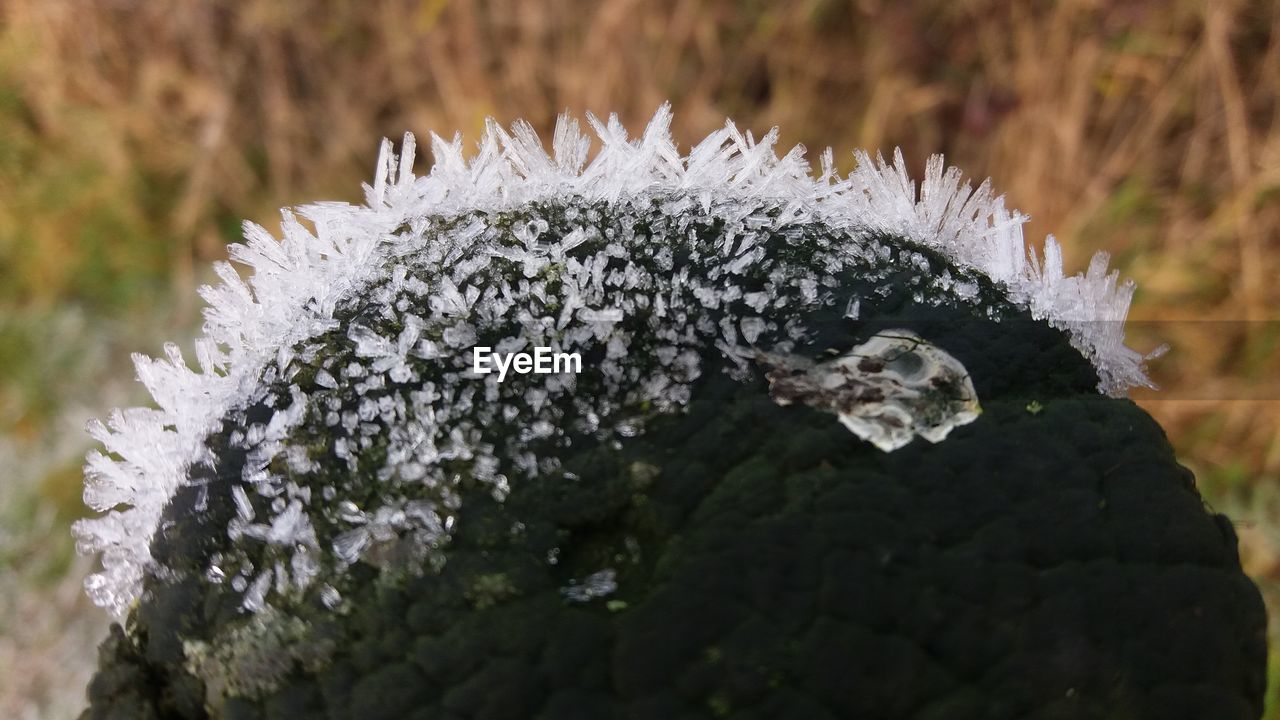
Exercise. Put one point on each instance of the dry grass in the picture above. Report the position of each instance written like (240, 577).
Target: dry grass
(134, 135)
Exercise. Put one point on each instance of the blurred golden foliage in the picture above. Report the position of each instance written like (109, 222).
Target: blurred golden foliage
(135, 135)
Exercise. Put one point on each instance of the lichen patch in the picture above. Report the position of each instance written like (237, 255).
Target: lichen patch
(252, 659)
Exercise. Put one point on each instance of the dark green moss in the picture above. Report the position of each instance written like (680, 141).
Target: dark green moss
(1047, 564)
(966, 579)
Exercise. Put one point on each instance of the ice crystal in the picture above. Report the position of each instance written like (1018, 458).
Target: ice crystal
(435, 266)
(886, 391)
(596, 585)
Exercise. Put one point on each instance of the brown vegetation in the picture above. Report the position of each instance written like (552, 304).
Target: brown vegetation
(134, 136)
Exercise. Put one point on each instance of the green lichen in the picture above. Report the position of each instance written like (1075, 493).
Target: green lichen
(643, 474)
(491, 589)
(252, 659)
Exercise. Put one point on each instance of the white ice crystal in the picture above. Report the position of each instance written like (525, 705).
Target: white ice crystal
(887, 391)
(298, 282)
(596, 585)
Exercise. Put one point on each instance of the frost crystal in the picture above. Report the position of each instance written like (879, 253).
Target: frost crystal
(886, 391)
(432, 265)
(595, 585)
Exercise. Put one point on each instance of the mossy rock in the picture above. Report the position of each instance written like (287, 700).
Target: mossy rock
(701, 547)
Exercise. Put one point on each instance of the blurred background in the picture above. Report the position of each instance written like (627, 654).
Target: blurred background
(135, 136)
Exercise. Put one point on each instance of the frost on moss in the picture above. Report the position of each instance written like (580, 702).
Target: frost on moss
(777, 564)
(574, 545)
(360, 440)
(445, 236)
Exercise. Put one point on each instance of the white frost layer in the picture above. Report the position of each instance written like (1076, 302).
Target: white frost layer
(298, 281)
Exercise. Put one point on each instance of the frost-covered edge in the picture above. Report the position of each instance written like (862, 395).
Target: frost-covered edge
(297, 282)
